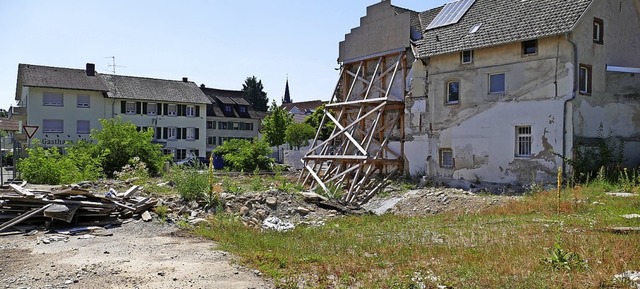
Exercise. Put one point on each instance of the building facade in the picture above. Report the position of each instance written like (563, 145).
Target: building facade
(505, 91)
(229, 116)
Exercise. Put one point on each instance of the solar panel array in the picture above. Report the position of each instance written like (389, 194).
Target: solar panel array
(451, 13)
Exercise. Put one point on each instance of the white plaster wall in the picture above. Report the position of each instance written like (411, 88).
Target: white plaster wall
(69, 113)
(173, 121)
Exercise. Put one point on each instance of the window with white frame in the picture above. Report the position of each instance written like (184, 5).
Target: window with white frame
(83, 100)
(222, 125)
(497, 83)
(523, 141)
(466, 56)
(598, 31)
(172, 110)
(152, 109)
(242, 109)
(584, 79)
(52, 125)
(172, 133)
(191, 111)
(191, 133)
(52, 99)
(453, 92)
(211, 124)
(83, 126)
(236, 126)
(211, 140)
(130, 108)
(446, 158)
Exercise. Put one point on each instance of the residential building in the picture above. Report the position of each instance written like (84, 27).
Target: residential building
(175, 110)
(229, 116)
(66, 104)
(494, 91)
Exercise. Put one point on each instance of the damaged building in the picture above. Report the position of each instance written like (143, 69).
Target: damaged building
(495, 91)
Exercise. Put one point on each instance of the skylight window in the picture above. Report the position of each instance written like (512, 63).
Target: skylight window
(451, 13)
(475, 28)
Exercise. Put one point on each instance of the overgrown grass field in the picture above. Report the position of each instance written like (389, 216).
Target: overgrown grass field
(525, 243)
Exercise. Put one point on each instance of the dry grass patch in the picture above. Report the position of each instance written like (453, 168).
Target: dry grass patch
(503, 247)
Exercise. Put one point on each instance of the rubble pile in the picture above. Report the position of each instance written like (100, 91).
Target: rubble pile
(22, 208)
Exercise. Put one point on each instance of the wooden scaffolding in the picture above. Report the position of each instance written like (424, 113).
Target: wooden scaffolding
(366, 147)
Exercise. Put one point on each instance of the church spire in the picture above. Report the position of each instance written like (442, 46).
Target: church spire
(287, 96)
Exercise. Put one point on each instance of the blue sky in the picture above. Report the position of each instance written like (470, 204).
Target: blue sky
(218, 43)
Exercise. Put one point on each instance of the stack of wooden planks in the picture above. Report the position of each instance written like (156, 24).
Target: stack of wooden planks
(76, 207)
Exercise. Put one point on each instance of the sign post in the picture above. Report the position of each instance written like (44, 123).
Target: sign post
(29, 130)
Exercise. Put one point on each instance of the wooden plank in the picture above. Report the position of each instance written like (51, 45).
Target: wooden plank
(130, 192)
(22, 191)
(22, 217)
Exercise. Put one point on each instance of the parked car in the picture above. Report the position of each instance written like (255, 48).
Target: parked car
(193, 161)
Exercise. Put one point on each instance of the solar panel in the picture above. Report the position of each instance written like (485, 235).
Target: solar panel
(451, 13)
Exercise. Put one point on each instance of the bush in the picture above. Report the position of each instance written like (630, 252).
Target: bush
(119, 141)
(606, 154)
(192, 186)
(242, 155)
(49, 166)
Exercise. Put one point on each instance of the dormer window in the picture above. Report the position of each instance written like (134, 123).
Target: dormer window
(466, 56)
(227, 108)
(242, 109)
(530, 47)
(598, 31)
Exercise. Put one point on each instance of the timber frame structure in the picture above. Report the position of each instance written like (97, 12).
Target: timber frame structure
(367, 110)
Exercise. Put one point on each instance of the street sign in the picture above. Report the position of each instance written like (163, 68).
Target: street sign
(30, 130)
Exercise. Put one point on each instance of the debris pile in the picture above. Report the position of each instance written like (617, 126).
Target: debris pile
(77, 207)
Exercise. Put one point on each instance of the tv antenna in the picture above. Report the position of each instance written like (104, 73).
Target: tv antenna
(113, 65)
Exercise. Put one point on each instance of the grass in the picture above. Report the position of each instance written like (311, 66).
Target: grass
(510, 246)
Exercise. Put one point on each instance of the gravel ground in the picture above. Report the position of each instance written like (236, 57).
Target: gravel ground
(136, 255)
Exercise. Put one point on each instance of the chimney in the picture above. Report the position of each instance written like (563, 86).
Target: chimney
(185, 79)
(91, 69)
(202, 85)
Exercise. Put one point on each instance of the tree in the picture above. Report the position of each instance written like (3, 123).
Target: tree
(258, 98)
(298, 134)
(119, 141)
(243, 155)
(275, 125)
(314, 120)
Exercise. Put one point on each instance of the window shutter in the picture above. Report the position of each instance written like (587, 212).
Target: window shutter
(197, 133)
(158, 133)
(144, 108)
(184, 110)
(197, 110)
(184, 133)
(158, 108)
(123, 106)
(138, 107)
(179, 110)
(165, 109)
(164, 132)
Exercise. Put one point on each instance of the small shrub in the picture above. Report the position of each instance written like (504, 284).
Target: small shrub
(162, 212)
(191, 186)
(560, 258)
(243, 155)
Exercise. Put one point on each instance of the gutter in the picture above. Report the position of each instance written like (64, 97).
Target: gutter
(576, 70)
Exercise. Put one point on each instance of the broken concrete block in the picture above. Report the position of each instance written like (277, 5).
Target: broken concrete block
(146, 216)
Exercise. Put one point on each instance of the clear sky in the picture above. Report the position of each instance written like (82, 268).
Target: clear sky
(216, 43)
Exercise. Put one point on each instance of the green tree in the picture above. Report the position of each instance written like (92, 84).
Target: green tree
(119, 141)
(298, 134)
(243, 155)
(275, 125)
(315, 119)
(254, 90)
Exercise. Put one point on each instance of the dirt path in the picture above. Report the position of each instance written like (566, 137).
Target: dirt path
(137, 255)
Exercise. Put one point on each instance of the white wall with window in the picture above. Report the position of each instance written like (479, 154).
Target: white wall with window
(53, 125)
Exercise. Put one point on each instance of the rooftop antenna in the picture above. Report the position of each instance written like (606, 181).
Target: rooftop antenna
(113, 65)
